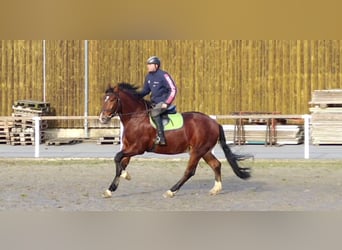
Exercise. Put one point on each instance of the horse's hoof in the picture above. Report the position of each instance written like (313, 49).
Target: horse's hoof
(126, 175)
(214, 192)
(107, 194)
(216, 188)
(169, 194)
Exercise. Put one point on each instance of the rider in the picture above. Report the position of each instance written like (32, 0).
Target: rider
(163, 92)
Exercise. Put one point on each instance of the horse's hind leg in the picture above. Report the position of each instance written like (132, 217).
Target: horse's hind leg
(215, 164)
(189, 172)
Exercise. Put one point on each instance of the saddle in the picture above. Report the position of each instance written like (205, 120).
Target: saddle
(170, 118)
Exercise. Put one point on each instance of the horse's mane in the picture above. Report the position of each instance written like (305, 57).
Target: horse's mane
(130, 88)
(125, 87)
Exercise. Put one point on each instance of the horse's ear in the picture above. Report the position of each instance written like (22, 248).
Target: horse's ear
(116, 88)
(109, 88)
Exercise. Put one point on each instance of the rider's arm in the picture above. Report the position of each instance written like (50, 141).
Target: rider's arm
(145, 90)
(172, 89)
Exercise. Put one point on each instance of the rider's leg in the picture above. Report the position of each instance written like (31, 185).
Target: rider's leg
(156, 116)
(159, 123)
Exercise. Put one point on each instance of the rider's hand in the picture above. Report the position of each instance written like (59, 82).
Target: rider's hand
(164, 106)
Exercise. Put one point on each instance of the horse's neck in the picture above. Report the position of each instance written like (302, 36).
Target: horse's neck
(133, 109)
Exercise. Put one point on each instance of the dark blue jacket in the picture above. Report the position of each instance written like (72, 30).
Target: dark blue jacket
(161, 86)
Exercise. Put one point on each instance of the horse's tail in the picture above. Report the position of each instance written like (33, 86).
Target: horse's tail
(243, 173)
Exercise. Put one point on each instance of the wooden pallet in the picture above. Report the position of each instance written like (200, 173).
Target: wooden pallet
(23, 128)
(5, 127)
(4, 130)
(63, 141)
(22, 138)
(25, 125)
(32, 105)
(20, 118)
(327, 98)
(257, 134)
(6, 124)
(108, 140)
(21, 143)
(326, 117)
(4, 136)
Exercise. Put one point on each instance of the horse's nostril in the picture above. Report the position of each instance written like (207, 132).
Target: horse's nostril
(103, 119)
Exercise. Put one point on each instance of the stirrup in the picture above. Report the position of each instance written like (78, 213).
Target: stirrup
(158, 141)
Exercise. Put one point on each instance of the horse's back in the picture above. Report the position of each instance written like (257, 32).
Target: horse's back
(198, 116)
(200, 123)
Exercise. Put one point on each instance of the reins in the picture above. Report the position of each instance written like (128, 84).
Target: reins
(136, 112)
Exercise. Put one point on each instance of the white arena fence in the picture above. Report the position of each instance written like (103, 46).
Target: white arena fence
(37, 120)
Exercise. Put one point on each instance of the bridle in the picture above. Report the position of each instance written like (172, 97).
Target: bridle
(118, 106)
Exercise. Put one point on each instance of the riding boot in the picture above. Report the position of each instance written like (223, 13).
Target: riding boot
(159, 123)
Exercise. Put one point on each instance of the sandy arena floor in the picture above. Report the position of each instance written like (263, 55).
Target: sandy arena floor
(77, 185)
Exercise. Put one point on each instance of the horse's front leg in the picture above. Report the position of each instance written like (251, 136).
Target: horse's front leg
(124, 173)
(121, 163)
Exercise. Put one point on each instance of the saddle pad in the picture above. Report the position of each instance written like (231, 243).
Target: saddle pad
(175, 122)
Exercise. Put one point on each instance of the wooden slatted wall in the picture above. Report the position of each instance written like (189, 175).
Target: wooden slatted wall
(20, 73)
(213, 76)
(65, 79)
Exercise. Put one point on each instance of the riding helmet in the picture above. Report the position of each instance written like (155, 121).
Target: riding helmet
(153, 60)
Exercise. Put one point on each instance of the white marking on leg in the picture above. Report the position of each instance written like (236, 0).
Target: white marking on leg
(125, 175)
(217, 188)
(107, 194)
(169, 194)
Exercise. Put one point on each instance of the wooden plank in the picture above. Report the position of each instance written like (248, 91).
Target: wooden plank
(284, 134)
(326, 97)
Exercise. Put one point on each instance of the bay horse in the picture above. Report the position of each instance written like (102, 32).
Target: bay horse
(198, 136)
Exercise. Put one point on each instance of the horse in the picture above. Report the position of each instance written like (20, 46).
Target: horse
(198, 136)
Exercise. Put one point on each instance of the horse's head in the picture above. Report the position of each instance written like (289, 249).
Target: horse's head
(111, 104)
